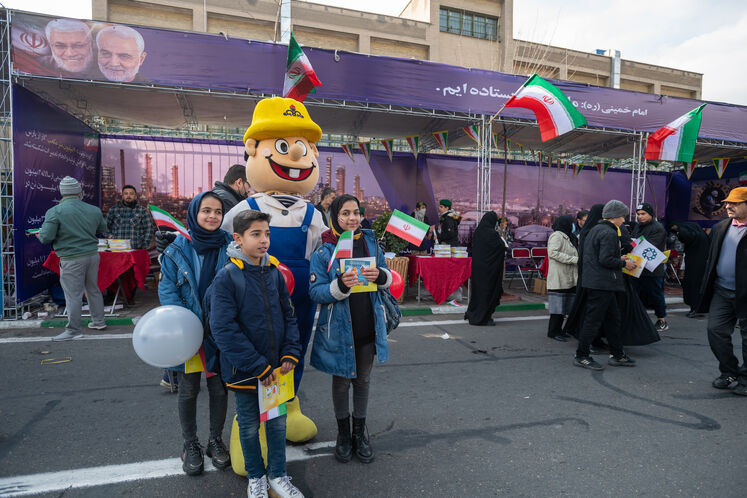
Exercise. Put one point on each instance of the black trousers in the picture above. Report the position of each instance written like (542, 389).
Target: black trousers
(602, 311)
(722, 317)
(189, 387)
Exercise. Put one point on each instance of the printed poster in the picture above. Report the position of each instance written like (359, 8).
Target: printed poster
(358, 265)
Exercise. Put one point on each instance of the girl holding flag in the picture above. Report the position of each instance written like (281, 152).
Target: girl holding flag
(188, 266)
(351, 328)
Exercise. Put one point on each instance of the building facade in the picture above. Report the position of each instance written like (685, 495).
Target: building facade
(468, 33)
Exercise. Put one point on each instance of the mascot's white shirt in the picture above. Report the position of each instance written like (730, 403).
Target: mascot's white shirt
(294, 218)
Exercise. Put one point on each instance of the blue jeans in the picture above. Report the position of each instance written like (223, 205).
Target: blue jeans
(247, 411)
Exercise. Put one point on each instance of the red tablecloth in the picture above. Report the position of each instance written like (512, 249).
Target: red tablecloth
(131, 266)
(441, 276)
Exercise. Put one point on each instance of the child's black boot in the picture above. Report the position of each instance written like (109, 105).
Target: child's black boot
(344, 448)
(361, 446)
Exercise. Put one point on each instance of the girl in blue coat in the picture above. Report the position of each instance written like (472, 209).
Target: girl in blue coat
(187, 269)
(351, 328)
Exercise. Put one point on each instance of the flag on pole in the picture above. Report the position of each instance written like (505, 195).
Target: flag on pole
(407, 227)
(272, 413)
(675, 141)
(388, 144)
(164, 219)
(442, 137)
(720, 165)
(554, 112)
(602, 168)
(414, 142)
(300, 78)
(689, 168)
(365, 147)
(348, 151)
(343, 249)
(472, 132)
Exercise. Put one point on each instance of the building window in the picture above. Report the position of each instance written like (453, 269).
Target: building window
(468, 24)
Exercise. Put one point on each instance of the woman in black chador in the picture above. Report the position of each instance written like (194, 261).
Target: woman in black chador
(696, 253)
(488, 254)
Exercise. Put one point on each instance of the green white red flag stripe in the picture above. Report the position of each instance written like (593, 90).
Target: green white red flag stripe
(164, 219)
(554, 112)
(343, 249)
(348, 151)
(720, 165)
(577, 169)
(495, 140)
(300, 78)
(406, 227)
(743, 178)
(388, 144)
(689, 168)
(273, 413)
(414, 142)
(602, 168)
(675, 141)
(472, 132)
(365, 147)
(442, 137)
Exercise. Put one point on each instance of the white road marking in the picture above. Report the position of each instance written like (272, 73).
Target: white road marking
(424, 323)
(114, 474)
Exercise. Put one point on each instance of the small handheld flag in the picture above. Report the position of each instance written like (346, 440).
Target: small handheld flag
(164, 219)
(300, 78)
(343, 249)
(406, 227)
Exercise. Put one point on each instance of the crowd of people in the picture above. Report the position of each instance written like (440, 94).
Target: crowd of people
(225, 266)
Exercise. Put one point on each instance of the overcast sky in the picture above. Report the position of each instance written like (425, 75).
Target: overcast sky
(708, 37)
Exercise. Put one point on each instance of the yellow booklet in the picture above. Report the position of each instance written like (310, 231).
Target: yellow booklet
(358, 264)
(273, 397)
(640, 263)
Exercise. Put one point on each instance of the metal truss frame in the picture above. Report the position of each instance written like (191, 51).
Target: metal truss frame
(10, 308)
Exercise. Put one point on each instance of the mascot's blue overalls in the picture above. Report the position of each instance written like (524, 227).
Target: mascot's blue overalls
(288, 245)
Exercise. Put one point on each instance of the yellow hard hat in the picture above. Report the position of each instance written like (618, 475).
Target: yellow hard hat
(281, 117)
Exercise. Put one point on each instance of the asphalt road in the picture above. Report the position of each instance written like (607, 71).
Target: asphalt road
(497, 411)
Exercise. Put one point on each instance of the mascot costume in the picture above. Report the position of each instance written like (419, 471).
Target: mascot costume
(282, 166)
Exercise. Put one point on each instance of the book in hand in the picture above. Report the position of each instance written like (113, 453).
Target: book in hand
(273, 397)
(358, 265)
(640, 263)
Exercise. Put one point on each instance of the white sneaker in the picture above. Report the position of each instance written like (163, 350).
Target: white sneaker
(96, 327)
(257, 488)
(67, 335)
(282, 487)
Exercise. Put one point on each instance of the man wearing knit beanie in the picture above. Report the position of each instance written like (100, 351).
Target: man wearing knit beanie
(71, 228)
(650, 284)
(603, 280)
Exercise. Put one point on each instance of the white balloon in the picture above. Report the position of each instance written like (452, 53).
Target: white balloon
(167, 336)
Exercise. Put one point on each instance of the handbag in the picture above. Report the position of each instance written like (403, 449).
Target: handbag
(392, 313)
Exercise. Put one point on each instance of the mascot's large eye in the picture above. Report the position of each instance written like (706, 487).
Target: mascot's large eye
(302, 145)
(281, 146)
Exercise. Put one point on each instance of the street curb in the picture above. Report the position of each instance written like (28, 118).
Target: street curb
(36, 324)
(502, 307)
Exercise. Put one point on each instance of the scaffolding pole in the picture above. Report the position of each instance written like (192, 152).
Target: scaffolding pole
(483, 168)
(10, 308)
(638, 183)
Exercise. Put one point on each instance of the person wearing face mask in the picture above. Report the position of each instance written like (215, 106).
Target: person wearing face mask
(351, 328)
(127, 219)
(187, 270)
(419, 214)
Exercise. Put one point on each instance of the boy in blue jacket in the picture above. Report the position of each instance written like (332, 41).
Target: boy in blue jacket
(254, 327)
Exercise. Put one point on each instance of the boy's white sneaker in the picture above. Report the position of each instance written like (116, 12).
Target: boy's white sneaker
(282, 487)
(257, 488)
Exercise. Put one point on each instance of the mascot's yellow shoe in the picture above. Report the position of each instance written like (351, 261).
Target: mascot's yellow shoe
(298, 427)
(237, 456)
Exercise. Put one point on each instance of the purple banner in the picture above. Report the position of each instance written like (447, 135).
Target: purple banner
(48, 144)
(101, 51)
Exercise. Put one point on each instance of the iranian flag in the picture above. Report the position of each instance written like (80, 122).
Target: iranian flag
(554, 112)
(442, 137)
(343, 249)
(273, 413)
(720, 165)
(300, 78)
(472, 132)
(407, 227)
(675, 141)
(348, 151)
(164, 219)
(743, 178)
(388, 144)
(414, 142)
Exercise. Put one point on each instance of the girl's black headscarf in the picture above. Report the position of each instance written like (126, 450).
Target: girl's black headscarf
(205, 243)
(334, 213)
(565, 224)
